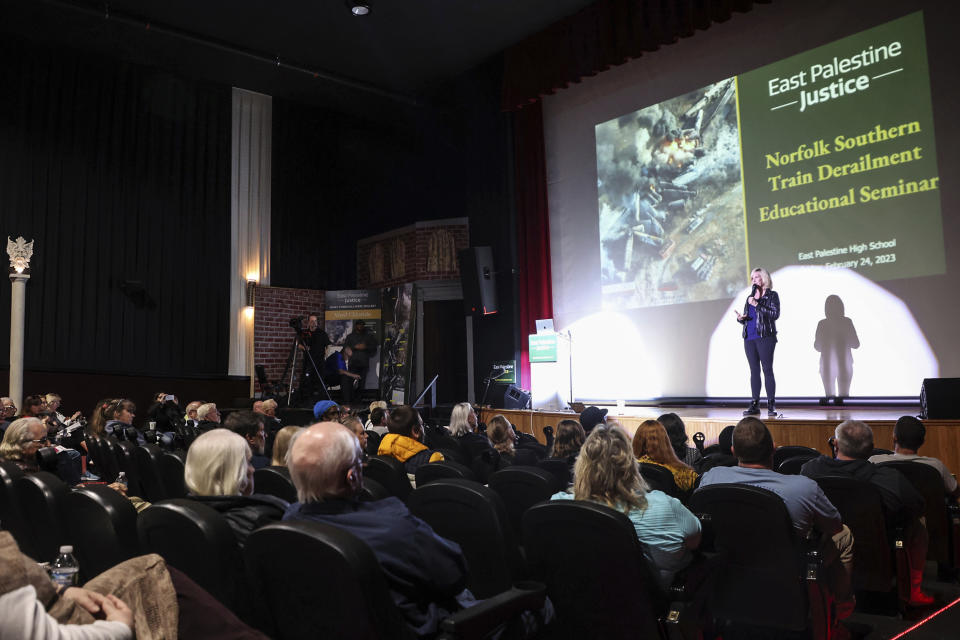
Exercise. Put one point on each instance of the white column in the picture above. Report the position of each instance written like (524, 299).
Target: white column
(18, 300)
(249, 217)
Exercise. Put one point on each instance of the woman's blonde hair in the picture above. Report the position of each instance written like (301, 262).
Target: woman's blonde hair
(606, 471)
(16, 435)
(765, 276)
(459, 423)
(217, 464)
(651, 440)
(500, 434)
(280, 445)
(378, 404)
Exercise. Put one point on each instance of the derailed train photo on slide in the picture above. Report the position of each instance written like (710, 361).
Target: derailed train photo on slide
(670, 200)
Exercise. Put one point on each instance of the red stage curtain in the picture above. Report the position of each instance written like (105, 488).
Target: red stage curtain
(533, 229)
(602, 35)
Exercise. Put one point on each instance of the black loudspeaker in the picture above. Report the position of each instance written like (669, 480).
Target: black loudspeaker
(940, 399)
(516, 398)
(478, 281)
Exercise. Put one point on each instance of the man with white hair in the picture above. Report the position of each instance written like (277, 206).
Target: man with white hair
(208, 416)
(423, 570)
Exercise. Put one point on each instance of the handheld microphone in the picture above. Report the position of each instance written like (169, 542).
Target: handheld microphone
(753, 293)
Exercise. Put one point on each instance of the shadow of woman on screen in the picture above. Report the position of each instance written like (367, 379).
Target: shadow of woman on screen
(836, 337)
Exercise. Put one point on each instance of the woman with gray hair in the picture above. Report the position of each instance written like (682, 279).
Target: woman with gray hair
(21, 441)
(219, 474)
(607, 473)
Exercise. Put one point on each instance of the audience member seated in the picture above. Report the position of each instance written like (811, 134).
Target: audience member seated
(568, 441)
(808, 507)
(268, 408)
(502, 438)
(336, 373)
(249, 425)
(425, 573)
(591, 417)
(208, 417)
(140, 597)
(281, 444)
(606, 473)
(909, 435)
(463, 427)
(218, 473)
(651, 445)
(7, 411)
(902, 503)
(119, 414)
(98, 419)
(33, 407)
(326, 411)
(380, 424)
(378, 420)
(190, 413)
(677, 432)
(21, 441)
(405, 441)
(53, 401)
(356, 427)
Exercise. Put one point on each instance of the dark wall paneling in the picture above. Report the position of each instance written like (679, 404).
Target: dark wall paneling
(121, 174)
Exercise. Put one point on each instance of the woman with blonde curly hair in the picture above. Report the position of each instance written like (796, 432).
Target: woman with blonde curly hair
(651, 444)
(607, 473)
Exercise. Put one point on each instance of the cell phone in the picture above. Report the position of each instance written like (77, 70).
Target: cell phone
(169, 398)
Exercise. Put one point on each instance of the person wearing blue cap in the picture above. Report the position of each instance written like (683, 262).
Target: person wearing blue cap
(326, 411)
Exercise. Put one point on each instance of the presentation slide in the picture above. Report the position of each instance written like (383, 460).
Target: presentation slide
(811, 139)
(813, 160)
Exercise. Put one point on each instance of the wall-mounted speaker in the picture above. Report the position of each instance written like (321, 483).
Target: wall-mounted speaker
(478, 281)
(940, 399)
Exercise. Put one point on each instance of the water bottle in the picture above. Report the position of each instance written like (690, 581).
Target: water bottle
(65, 569)
(122, 479)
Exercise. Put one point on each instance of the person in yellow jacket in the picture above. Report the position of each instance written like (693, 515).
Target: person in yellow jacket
(405, 440)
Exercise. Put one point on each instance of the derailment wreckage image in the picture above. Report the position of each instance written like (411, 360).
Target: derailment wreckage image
(671, 201)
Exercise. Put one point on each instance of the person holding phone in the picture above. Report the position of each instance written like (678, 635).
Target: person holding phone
(760, 313)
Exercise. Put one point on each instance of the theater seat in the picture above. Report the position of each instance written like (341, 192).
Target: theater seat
(172, 469)
(148, 457)
(125, 454)
(560, 469)
(928, 482)
(372, 490)
(474, 517)
(789, 451)
(791, 466)
(442, 469)
(275, 481)
(43, 498)
(289, 564)
(102, 528)
(11, 516)
(660, 478)
(197, 540)
(390, 473)
(522, 487)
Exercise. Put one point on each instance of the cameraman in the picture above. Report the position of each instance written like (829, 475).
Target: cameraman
(314, 341)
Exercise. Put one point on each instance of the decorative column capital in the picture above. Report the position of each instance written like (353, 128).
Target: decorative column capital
(20, 252)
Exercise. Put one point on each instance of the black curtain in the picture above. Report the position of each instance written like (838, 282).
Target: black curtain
(121, 175)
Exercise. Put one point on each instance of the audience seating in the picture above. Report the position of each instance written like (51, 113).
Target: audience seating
(390, 473)
(448, 445)
(442, 469)
(661, 478)
(760, 580)
(792, 465)
(373, 490)
(275, 481)
(197, 540)
(560, 469)
(172, 470)
(148, 457)
(789, 451)
(879, 559)
(474, 517)
(42, 497)
(373, 442)
(11, 516)
(928, 482)
(589, 557)
(485, 463)
(126, 456)
(522, 487)
(102, 527)
(292, 566)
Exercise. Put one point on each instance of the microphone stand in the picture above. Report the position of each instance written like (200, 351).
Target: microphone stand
(494, 371)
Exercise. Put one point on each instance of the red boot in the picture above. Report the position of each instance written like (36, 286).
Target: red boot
(917, 597)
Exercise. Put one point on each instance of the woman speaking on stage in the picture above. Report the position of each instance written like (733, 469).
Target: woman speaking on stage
(760, 338)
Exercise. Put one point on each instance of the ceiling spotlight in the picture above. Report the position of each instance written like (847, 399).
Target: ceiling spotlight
(358, 8)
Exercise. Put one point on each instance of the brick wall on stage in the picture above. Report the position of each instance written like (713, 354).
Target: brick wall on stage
(272, 335)
(421, 251)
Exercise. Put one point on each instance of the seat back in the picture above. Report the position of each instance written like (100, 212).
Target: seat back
(559, 469)
(197, 540)
(522, 487)
(788, 451)
(275, 481)
(372, 491)
(474, 517)
(442, 469)
(791, 466)
(11, 516)
(42, 498)
(660, 478)
(172, 470)
(290, 566)
(390, 473)
(102, 527)
(148, 457)
(861, 509)
(373, 442)
(760, 566)
(125, 454)
(589, 557)
(928, 482)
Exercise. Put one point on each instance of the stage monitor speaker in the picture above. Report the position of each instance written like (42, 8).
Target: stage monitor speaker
(478, 281)
(940, 399)
(516, 398)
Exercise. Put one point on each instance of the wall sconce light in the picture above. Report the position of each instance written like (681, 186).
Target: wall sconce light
(251, 291)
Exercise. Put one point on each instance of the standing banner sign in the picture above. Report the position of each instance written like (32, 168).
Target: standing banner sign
(342, 308)
(397, 353)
